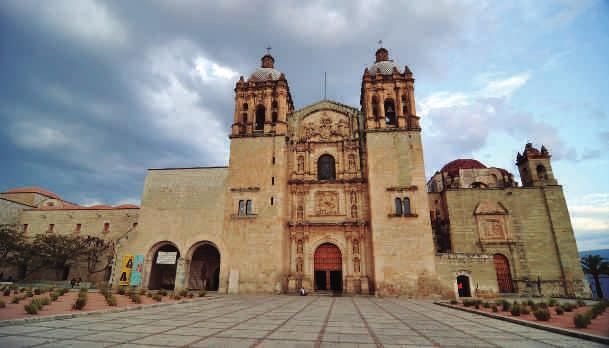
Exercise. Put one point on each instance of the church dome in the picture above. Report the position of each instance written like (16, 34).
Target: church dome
(453, 167)
(267, 70)
(383, 64)
(384, 67)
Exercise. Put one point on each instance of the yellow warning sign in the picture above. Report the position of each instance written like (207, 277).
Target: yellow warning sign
(126, 267)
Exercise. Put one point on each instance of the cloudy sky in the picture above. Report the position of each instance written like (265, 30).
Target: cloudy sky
(93, 93)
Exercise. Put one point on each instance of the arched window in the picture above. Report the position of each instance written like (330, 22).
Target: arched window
(407, 210)
(404, 105)
(274, 105)
(260, 117)
(241, 211)
(541, 173)
(274, 117)
(354, 211)
(245, 107)
(390, 112)
(326, 168)
(398, 206)
(375, 107)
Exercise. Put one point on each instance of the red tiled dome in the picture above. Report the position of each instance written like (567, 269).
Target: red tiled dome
(452, 168)
(34, 189)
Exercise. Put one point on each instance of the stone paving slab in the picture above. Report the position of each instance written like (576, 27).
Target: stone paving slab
(285, 321)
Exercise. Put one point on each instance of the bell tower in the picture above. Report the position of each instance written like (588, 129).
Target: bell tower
(402, 241)
(255, 206)
(535, 167)
(262, 102)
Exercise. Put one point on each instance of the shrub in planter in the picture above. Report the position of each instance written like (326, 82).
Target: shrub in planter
(136, 298)
(486, 305)
(31, 309)
(157, 297)
(37, 303)
(494, 308)
(543, 305)
(506, 306)
(37, 291)
(7, 292)
(29, 294)
(183, 293)
(515, 309)
(552, 302)
(163, 292)
(121, 291)
(568, 307)
(111, 300)
(45, 301)
(176, 296)
(16, 299)
(525, 310)
(559, 310)
(534, 307)
(2, 304)
(530, 302)
(468, 303)
(581, 303)
(142, 292)
(54, 296)
(202, 293)
(80, 303)
(190, 295)
(581, 321)
(149, 294)
(454, 302)
(542, 314)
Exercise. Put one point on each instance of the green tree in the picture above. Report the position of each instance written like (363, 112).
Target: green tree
(594, 265)
(59, 251)
(98, 254)
(16, 250)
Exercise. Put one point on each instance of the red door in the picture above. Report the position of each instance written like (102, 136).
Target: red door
(328, 267)
(504, 276)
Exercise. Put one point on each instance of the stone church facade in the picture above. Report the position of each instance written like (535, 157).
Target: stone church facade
(331, 197)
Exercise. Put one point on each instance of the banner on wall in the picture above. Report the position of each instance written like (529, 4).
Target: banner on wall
(126, 267)
(136, 270)
(166, 257)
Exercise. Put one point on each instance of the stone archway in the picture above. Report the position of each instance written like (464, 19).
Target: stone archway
(163, 269)
(204, 267)
(328, 268)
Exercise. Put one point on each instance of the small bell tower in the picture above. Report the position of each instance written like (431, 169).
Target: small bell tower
(387, 96)
(262, 102)
(535, 167)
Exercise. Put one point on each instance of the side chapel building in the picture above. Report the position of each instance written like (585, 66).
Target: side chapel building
(333, 197)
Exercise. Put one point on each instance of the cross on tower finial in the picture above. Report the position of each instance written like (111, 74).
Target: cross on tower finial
(268, 49)
(381, 43)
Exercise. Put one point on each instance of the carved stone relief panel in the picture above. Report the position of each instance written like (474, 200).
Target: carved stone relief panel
(326, 203)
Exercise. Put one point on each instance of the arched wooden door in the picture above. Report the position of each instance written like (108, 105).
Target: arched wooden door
(328, 265)
(504, 275)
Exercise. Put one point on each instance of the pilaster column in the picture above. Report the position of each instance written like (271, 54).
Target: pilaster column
(180, 274)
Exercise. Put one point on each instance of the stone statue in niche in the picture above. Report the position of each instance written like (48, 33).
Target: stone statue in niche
(299, 265)
(299, 213)
(354, 211)
(300, 164)
(356, 266)
(299, 246)
(351, 163)
(327, 202)
(353, 197)
(356, 246)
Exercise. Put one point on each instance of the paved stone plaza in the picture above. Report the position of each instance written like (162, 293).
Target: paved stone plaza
(285, 321)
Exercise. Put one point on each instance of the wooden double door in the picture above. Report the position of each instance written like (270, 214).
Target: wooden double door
(328, 268)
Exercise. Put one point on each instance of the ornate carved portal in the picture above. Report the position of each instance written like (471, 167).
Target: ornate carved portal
(328, 268)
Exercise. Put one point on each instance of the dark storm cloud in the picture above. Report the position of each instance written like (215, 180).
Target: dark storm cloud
(99, 91)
